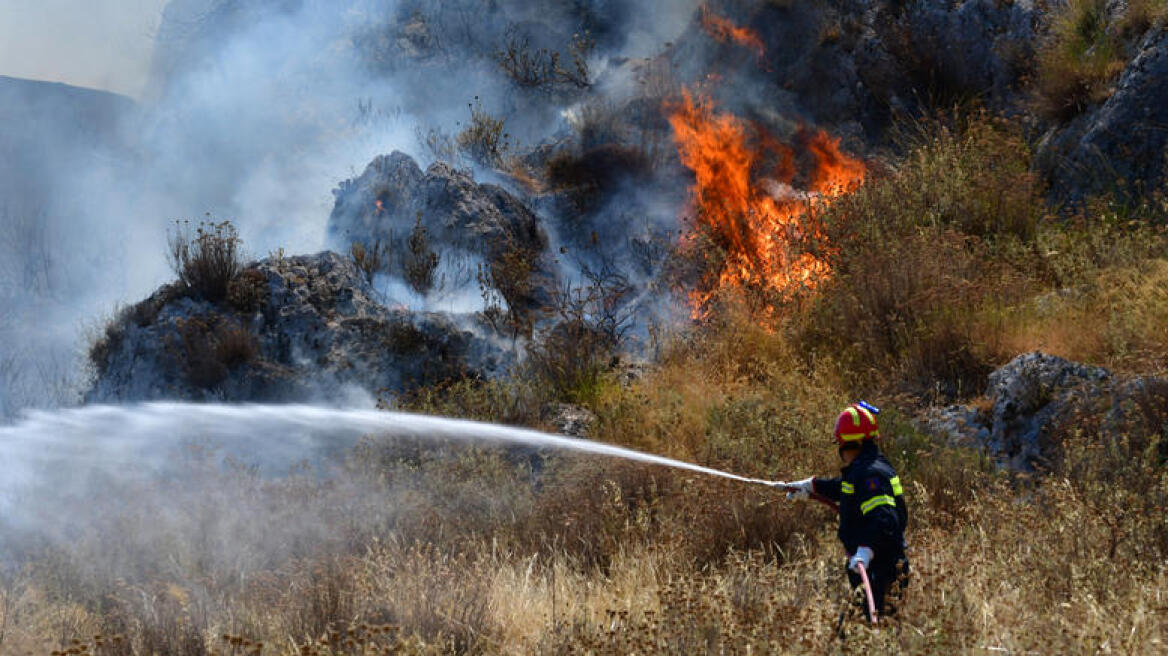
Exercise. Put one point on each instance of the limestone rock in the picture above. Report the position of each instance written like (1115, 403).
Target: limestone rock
(466, 223)
(305, 327)
(1035, 396)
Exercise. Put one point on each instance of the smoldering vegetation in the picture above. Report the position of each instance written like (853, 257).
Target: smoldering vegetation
(253, 113)
(623, 170)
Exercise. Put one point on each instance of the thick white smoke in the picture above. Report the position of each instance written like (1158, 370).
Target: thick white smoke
(254, 111)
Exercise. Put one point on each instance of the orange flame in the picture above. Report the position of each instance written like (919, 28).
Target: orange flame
(762, 223)
(723, 30)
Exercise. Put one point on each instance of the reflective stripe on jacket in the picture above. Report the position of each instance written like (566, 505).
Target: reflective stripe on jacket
(872, 510)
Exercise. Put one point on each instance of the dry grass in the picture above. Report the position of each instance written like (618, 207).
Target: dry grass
(951, 264)
(1088, 45)
(923, 255)
(462, 551)
(423, 548)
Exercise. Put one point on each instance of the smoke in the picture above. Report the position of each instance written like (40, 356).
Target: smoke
(105, 46)
(253, 112)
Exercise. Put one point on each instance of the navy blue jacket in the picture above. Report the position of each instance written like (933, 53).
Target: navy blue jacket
(872, 511)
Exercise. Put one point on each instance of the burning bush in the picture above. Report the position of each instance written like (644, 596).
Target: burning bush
(207, 260)
(766, 232)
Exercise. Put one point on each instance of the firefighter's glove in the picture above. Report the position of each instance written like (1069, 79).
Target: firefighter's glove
(863, 556)
(800, 489)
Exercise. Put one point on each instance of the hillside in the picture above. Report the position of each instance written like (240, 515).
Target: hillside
(46, 129)
(697, 235)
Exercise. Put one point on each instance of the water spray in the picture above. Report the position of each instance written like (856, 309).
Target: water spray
(105, 433)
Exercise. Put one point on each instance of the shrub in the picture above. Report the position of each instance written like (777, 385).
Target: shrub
(922, 254)
(589, 177)
(247, 292)
(540, 68)
(506, 288)
(440, 145)
(371, 260)
(208, 347)
(421, 262)
(484, 140)
(513, 401)
(1080, 60)
(105, 346)
(207, 260)
(591, 321)
(1140, 16)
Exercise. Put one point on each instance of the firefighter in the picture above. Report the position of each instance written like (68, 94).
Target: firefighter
(872, 511)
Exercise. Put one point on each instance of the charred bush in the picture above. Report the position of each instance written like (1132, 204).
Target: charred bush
(592, 320)
(506, 290)
(208, 347)
(144, 313)
(421, 262)
(105, 346)
(207, 260)
(370, 260)
(247, 291)
(534, 68)
(590, 176)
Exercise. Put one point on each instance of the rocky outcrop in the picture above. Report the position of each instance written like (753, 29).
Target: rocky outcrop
(1034, 397)
(296, 328)
(464, 222)
(1124, 141)
(857, 63)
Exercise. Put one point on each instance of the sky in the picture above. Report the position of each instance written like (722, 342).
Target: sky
(100, 44)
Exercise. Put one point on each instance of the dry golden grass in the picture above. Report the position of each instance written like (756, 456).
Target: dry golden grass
(615, 558)
(413, 548)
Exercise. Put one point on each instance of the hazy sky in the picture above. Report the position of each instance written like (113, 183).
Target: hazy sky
(103, 44)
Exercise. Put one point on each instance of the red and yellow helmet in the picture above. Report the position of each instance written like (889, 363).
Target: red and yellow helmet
(857, 423)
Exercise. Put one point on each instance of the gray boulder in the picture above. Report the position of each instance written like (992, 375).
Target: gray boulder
(1125, 138)
(1032, 393)
(295, 328)
(465, 222)
(1036, 395)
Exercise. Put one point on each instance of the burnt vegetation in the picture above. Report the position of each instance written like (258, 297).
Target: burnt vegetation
(950, 259)
(545, 69)
(206, 260)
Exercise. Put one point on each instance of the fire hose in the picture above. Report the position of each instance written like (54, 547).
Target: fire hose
(863, 571)
(867, 591)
